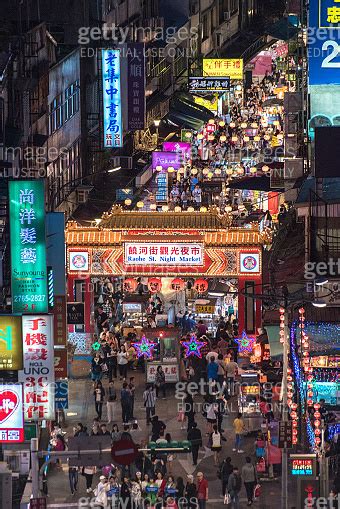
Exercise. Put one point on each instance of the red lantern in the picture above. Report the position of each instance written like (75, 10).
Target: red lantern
(317, 440)
(201, 285)
(154, 284)
(177, 284)
(130, 285)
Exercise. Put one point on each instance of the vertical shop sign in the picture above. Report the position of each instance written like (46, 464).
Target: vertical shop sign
(136, 86)
(28, 246)
(11, 414)
(112, 102)
(38, 373)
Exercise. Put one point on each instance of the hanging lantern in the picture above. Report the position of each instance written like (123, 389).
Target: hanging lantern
(177, 284)
(130, 285)
(223, 138)
(201, 285)
(154, 284)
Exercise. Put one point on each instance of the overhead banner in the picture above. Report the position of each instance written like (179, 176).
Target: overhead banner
(112, 101)
(37, 376)
(11, 351)
(136, 86)
(28, 247)
(323, 42)
(11, 413)
(204, 84)
(220, 67)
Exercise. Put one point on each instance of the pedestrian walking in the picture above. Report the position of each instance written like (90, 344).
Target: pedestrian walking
(149, 398)
(202, 490)
(125, 397)
(249, 477)
(88, 473)
(216, 444)
(234, 488)
(111, 398)
(226, 469)
(191, 493)
(99, 393)
(132, 389)
(101, 492)
(195, 437)
(160, 382)
(96, 368)
(73, 478)
(122, 360)
(239, 431)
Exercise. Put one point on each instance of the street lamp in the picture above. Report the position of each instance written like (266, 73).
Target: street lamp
(157, 124)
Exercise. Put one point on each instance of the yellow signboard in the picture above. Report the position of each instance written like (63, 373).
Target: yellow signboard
(205, 309)
(11, 348)
(232, 67)
(210, 105)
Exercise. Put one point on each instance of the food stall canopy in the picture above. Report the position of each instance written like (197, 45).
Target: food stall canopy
(261, 183)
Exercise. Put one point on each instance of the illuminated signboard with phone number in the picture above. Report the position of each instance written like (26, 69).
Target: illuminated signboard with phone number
(28, 248)
(303, 465)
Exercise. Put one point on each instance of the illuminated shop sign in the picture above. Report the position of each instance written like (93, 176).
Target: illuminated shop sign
(249, 263)
(11, 413)
(28, 248)
(78, 260)
(303, 465)
(221, 67)
(112, 105)
(10, 343)
(163, 254)
(204, 84)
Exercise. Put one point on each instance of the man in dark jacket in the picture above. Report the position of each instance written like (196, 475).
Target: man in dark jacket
(226, 470)
(195, 437)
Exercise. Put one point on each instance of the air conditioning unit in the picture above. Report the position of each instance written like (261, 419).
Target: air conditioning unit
(226, 16)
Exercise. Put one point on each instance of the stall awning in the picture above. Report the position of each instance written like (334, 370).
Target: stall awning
(282, 30)
(261, 183)
(184, 112)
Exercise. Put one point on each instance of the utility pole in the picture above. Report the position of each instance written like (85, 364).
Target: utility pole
(286, 349)
(35, 467)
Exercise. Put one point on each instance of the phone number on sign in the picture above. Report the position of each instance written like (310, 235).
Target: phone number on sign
(29, 298)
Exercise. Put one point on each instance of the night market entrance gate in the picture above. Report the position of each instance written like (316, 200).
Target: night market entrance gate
(200, 245)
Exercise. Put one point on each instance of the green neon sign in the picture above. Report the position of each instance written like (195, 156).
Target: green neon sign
(28, 248)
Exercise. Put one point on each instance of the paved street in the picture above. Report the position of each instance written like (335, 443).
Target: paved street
(82, 404)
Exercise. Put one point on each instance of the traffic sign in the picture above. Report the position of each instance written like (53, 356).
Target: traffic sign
(124, 452)
(285, 434)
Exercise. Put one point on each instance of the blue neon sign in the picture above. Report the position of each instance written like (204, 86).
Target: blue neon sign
(112, 101)
(324, 42)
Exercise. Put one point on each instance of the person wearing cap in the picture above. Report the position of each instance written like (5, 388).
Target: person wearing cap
(101, 492)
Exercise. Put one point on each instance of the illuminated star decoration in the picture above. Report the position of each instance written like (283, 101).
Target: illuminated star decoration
(144, 348)
(193, 347)
(245, 344)
(96, 346)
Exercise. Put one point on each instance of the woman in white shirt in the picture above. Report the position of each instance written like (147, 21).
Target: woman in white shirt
(216, 444)
(122, 361)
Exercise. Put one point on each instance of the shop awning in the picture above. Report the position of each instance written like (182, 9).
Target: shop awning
(185, 113)
(261, 183)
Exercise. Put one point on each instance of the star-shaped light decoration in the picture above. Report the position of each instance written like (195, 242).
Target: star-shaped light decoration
(193, 347)
(96, 346)
(245, 343)
(144, 348)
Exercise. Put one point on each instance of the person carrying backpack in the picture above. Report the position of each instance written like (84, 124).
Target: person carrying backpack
(234, 488)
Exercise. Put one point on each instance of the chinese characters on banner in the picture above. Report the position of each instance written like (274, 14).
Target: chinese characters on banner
(231, 67)
(11, 413)
(171, 372)
(59, 321)
(28, 248)
(323, 42)
(136, 86)
(203, 84)
(10, 342)
(163, 254)
(38, 374)
(112, 107)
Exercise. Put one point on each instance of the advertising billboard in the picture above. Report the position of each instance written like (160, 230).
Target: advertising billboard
(166, 159)
(112, 100)
(11, 351)
(220, 67)
(28, 246)
(136, 86)
(11, 413)
(37, 376)
(204, 84)
(323, 42)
